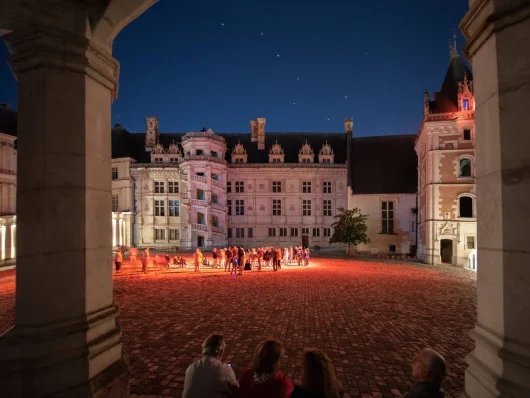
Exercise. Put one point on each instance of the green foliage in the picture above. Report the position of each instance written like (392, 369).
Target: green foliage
(350, 228)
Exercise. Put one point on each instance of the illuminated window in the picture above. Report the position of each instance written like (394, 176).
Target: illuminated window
(387, 217)
(465, 167)
(174, 208)
(114, 203)
(465, 104)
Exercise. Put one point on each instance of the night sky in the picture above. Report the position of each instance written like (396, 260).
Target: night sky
(303, 65)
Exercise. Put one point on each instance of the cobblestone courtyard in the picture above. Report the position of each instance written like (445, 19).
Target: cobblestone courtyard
(370, 317)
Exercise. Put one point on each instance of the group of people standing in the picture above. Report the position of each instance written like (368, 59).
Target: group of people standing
(212, 375)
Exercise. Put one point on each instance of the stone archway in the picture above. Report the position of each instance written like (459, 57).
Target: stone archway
(65, 339)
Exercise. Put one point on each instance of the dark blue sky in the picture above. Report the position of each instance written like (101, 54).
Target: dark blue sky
(303, 65)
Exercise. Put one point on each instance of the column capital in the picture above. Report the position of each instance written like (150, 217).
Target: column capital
(45, 46)
(488, 16)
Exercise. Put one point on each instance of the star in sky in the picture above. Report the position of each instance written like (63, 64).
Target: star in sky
(277, 55)
(345, 97)
(261, 34)
(294, 103)
(222, 24)
(297, 78)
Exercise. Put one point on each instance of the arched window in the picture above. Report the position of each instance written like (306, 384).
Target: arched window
(465, 167)
(466, 206)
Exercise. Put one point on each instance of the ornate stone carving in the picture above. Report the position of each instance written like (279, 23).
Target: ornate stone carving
(276, 149)
(306, 149)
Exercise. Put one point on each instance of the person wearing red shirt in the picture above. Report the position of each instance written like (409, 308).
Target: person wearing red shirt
(264, 380)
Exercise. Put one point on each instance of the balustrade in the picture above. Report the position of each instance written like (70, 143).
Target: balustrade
(200, 178)
(199, 202)
(200, 227)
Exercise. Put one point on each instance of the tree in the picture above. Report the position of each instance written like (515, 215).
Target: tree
(350, 228)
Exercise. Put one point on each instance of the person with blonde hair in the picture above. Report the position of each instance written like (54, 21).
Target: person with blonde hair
(264, 380)
(319, 379)
(197, 259)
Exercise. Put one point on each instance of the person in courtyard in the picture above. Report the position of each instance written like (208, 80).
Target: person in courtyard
(429, 370)
(319, 379)
(241, 259)
(278, 258)
(228, 260)
(306, 256)
(118, 259)
(222, 257)
(274, 260)
(209, 376)
(290, 254)
(215, 255)
(198, 259)
(264, 380)
(235, 259)
(168, 261)
(144, 258)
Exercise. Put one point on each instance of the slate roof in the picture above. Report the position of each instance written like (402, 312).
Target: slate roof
(8, 120)
(446, 100)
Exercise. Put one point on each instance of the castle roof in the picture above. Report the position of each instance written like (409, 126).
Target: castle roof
(446, 100)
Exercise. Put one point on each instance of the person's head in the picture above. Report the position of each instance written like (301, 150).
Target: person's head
(319, 374)
(428, 365)
(197, 250)
(214, 345)
(267, 356)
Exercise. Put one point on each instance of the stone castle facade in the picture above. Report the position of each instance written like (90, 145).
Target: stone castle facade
(174, 191)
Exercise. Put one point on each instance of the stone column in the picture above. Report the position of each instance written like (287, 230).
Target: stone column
(498, 33)
(66, 339)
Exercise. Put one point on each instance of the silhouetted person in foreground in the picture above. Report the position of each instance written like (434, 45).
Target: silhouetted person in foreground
(429, 370)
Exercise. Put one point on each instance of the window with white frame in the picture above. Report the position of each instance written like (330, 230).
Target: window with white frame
(174, 234)
(160, 207)
(465, 206)
(173, 187)
(327, 232)
(240, 207)
(160, 234)
(306, 207)
(326, 187)
(240, 232)
(276, 186)
(464, 169)
(276, 207)
(326, 207)
(240, 186)
(283, 231)
(387, 217)
(294, 231)
(316, 232)
(306, 186)
(272, 231)
(114, 173)
(174, 208)
(114, 203)
(159, 186)
(471, 242)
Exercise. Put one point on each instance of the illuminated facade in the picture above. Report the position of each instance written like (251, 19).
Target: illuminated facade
(446, 171)
(8, 184)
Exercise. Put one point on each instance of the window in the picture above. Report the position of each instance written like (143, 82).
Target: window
(326, 160)
(199, 152)
(201, 218)
(201, 195)
(114, 173)
(276, 186)
(276, 207)
(326, 187)
(466, 206)
(306, 187)
(200, 174)
(229, 205)
(160, 234)
(240, 186)
(114, 203)
(229, 232)
(326, 206)
(173, 187)
(229, 187)
(283, 231)
(240, 232)
(327, 232)
(305, 231)
(465, 104)
(392, 248)
(276, 160)
(306, 207)
(238, 160)
(174, 208)
(387, 217)
(413, 226)
(467, 135)
(465, 168)
(470, 242)
(174, 234)
(158, 160)
(272, 231)
(215, 177)
(160, 208)
(215, 198)
(173, 160)
(240, 207)
(316, 232)
(214, 154)
(294, 231)
(159, 186)
(251, 232)
(306, 160)
(215, 221)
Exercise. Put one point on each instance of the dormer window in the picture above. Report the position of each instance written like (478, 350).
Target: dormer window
(326, 154)
(173, 160)
(239, 154)
(465, 104)
(306, 154)
(465, 95)
(158, 160)
(276, 154)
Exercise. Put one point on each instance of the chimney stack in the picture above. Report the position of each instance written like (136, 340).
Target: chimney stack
(253, 131)
(258, 131)
(348, 126)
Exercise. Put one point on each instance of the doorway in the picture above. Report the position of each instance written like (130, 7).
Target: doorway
(305, 241)
(200, 241)
(446, 251)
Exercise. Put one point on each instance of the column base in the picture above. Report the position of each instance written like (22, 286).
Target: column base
(73, 358)
(497, 367)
